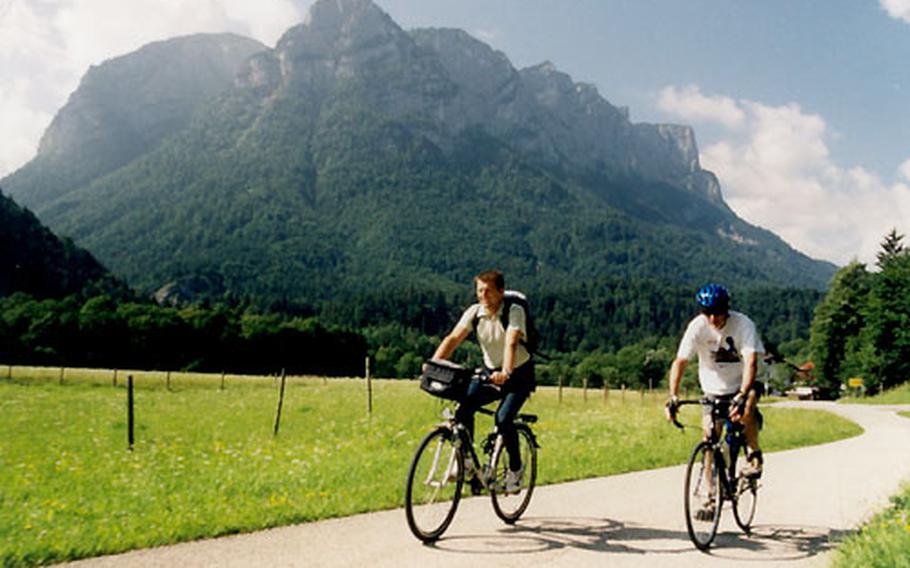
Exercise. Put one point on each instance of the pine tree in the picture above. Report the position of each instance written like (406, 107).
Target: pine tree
(891, 248)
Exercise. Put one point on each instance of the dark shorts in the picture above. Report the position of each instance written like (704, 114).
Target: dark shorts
(722, 409)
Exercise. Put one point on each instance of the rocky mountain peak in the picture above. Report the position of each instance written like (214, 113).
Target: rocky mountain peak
(337, 34)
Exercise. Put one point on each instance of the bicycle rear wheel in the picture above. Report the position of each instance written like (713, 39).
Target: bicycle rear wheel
(703, 495)
(510, 505)
(434, 485)
(745, 501)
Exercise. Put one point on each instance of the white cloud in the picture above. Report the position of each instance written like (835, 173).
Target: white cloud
(904, 170)
(46, 47)
(777, 172)
(688, 102)
(488, 36)
(22, 124)
(897, 9)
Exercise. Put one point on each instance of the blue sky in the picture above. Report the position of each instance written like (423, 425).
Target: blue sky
(800, 107)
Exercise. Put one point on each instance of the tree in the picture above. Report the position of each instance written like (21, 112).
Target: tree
(886, 339)
(839, 317)
(891, 248)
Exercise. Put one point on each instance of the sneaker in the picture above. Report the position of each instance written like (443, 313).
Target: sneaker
(706, 513)
(513, 481)
(452, 474)
(753, 469)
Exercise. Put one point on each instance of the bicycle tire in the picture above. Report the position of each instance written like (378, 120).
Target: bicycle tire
(511, 506)
(701, 528)
(431, 496)
(745, 499)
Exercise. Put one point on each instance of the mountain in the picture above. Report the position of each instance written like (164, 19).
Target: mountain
(126, 107)
(357, 156)
(33, 260)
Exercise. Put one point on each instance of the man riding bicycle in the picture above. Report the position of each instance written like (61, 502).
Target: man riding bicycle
(728, 347)
(508, 364)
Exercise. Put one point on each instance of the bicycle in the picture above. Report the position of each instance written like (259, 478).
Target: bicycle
(712, 478)
(446, 459)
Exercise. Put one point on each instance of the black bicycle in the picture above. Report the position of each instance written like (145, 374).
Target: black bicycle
(446, 460)
(712, 477)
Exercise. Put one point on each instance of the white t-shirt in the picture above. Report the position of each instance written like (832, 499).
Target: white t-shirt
(492, 336)
(720, 351)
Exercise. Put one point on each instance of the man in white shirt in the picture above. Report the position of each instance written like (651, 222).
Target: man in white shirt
(728, 347)
(507, 361)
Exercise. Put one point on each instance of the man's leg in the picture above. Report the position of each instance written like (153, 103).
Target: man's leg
(708, 423)
(750, 431)
(505, 423)
(479, 394)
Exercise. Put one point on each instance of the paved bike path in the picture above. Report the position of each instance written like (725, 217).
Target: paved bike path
(810, 498)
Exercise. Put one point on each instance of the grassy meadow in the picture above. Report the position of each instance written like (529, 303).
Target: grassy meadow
(883, 542)
(205, 460)
(897, 395)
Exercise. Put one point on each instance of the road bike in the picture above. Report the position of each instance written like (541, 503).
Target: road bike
(712, 477)
(445, 461)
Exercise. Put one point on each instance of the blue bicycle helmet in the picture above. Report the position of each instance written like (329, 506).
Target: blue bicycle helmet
(713, 299)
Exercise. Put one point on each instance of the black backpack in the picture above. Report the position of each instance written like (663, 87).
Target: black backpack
(531, 341)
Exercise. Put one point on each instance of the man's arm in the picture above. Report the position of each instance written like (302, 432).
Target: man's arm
(513, 337)
(676, 374)
(451, 342)
(750, 369)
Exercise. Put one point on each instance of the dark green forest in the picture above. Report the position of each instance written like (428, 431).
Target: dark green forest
(862, 327)
(614, 332)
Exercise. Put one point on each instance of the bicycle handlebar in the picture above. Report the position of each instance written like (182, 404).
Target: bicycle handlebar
(679, 403)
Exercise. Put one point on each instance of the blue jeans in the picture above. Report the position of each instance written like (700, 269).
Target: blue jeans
(481, 393)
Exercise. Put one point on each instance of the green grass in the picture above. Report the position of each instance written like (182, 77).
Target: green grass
(882, 542)
(206, 462)
(897, 395)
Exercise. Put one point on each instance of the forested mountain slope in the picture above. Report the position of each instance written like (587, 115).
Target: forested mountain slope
(355, 156)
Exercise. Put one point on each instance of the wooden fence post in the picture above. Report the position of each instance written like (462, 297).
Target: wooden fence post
(369, 386)
(606, 392)
(280, 402)
(584, 389)
(167, 380)
(560, 389)
(62, 370)
(9, 373)
(222, 380)
(623, 396)
(114, 381)
(129, 412)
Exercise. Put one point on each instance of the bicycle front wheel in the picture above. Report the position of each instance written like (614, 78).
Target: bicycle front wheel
(511, 499)
(434, 485)
(703, 495)
(745, 500)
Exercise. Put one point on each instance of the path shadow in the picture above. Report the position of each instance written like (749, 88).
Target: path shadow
(537, 534)
(766, 543)
(777, 542)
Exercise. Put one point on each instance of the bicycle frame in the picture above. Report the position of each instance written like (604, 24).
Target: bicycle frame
(443, 462)
(733, 439)
(730, 487)
(492, 446)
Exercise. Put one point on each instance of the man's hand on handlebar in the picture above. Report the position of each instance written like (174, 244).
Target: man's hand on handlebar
(671, 408)
(498, 378)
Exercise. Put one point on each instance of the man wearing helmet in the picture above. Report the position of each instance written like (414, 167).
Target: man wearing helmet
(728, 347)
